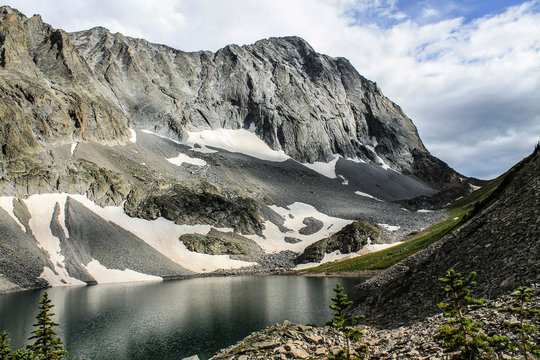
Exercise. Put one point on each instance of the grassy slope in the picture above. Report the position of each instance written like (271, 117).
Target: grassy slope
(459, 212)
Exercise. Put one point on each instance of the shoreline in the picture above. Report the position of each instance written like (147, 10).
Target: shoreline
(364, 274)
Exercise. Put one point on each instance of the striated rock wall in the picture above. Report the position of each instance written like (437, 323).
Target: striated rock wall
(93, 85)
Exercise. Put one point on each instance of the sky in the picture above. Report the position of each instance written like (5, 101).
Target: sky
(467, 72)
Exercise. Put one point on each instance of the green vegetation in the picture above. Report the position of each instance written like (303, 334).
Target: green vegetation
(388, 257)
(4, 346)
(341, 323)
(524, 327)
(458, 213)
(46, 346)
(462, 337)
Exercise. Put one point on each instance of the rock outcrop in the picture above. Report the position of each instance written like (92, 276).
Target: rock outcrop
(93, 85)
(350, 239)
(198, 204)
(222, 243)
(291, 341)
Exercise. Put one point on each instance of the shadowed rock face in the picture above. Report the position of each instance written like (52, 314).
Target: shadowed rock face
(500, 242)
(92, 85)
(202, 204)
(351, 238)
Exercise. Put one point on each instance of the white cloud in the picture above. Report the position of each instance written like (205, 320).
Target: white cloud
(430, 12)
(463, 83)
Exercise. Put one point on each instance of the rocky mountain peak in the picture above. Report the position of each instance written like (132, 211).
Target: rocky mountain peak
(93, 85)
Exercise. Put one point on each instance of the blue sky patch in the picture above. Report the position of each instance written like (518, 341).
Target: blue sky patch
(387, 13)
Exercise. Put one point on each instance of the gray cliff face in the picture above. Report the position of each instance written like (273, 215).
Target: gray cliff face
(93, 85)
(73, 108)
(312, 106)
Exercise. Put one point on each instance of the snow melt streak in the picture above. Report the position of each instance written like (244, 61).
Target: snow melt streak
(6, 203)
(41, 207)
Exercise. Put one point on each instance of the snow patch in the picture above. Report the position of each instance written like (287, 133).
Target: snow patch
(390, 228)
(162, 235)
(73, 147)
(273, 239)
(367, 195)
(41, 208)
(474, 187)
(183, 158)
(338, 256)
(345, 181)
(6, 203)
(356, 160)
(55, 279)
(133, 135)
(239, 141)
(105, 275)
(327, 169)
(424, 211)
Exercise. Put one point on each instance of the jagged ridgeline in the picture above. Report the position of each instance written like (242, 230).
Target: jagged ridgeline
(272, 143)
(93, 85)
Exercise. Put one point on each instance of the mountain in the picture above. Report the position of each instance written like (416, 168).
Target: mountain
(105, 135)
(500, 241)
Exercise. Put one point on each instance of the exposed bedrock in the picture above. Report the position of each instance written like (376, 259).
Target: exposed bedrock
(93, 85)
(202, 203)
(350, 239)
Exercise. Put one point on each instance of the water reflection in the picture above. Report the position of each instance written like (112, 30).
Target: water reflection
(170, 320)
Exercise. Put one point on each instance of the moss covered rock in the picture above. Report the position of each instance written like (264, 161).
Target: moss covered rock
(351, 238)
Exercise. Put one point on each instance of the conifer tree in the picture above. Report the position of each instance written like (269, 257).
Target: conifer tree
(4, 346)
(341, 321)
(524, 328)
(462, 336)
(22, 354)
(46, 346)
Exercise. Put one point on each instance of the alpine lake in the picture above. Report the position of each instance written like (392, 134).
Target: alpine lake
(170, 319)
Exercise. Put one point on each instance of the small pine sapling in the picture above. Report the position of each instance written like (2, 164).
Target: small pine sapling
(341, 321)
(46, 345)
(22, 354)
(462, 336)
(4, 346)
(525, 327)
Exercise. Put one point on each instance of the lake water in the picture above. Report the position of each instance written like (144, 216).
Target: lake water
(173, 319)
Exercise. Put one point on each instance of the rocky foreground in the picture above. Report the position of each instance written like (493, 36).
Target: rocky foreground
(292, 341)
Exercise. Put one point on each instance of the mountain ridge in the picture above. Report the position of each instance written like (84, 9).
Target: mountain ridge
(311, 106)
(251, 144)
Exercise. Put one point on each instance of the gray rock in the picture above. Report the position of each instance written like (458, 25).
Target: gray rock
(351, 238)
(312, 226)
(222, 243)
(91, 85)
(507, 220)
